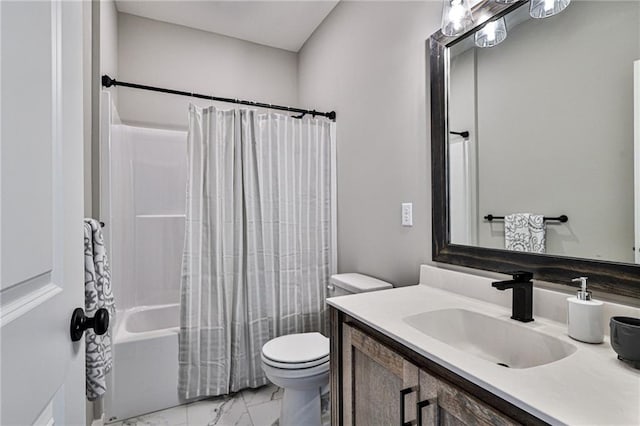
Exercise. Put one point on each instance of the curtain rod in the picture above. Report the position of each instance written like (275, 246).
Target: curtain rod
(108, 82)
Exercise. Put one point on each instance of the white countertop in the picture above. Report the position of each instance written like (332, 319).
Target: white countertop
(589, 387)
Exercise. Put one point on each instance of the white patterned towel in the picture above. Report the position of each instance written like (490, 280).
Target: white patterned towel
(525, 232)
(97, 294)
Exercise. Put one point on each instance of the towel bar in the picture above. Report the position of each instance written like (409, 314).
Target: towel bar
(562, 218)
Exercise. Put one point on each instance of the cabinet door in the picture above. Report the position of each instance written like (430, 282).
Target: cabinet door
(442, 403)
(379, 386)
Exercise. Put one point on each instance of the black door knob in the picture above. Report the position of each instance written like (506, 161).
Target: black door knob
(80, 322)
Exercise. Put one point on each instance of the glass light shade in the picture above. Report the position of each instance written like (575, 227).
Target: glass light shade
(492, 34)
(456, 17)
(545, 8)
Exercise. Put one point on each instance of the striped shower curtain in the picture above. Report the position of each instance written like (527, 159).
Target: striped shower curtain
(257, 248)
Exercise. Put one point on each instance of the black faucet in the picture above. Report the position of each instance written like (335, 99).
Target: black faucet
(522, 300)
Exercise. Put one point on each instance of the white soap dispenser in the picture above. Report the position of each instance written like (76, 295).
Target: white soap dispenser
(584, 316)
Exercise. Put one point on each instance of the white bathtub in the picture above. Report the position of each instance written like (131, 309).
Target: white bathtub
(145, 362)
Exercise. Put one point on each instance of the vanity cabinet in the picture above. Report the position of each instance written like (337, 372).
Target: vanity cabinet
(373, 383)
(443, 403)
(379, 386)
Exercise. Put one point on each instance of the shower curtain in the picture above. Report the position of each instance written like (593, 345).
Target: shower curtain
(257, 253)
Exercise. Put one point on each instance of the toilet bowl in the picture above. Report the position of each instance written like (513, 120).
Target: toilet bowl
(299, 363)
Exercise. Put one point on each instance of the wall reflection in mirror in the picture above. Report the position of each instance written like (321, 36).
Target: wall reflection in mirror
(549, 110)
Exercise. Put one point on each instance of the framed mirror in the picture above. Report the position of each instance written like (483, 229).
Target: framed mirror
(536, 143)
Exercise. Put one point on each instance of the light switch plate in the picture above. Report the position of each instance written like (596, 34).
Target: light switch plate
(407, 214)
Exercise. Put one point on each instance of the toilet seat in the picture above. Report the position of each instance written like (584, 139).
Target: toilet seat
(295, 373)
(294, 365)
(296, 351)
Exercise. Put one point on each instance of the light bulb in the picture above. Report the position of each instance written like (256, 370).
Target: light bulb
(492, 34)
(456, 14)
(545, 8)
(491, 31)
(456, 17)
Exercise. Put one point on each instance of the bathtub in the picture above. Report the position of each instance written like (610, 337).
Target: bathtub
(145, 362)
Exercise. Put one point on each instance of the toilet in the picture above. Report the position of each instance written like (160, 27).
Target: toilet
(299, 363)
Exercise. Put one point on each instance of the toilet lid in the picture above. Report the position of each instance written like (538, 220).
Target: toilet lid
(302, 348)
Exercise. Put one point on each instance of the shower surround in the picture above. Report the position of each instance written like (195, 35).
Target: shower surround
(144, 207)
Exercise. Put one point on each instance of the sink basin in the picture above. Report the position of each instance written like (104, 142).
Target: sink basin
(501, 342)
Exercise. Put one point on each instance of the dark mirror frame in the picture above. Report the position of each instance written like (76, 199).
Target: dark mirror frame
(610, 277)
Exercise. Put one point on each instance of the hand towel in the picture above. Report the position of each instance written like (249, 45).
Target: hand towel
(525, 232)
(97, 294)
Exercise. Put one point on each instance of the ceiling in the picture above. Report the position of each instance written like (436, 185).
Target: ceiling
(282, 24)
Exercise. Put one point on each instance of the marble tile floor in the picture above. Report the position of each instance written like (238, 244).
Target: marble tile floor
(250, 407)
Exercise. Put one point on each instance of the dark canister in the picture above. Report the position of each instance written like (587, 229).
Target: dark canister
(625, 339)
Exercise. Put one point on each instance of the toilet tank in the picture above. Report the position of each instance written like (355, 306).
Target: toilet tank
(341, 284)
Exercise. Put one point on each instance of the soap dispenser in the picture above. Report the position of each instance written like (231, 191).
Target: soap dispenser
(584, 315)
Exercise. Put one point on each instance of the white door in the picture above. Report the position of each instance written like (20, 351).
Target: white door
(41, 232)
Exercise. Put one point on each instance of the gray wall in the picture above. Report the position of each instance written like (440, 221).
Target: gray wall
(101, 57)
(109, 42)
(87, 76)
(367, 61)
(555, 128)
(166, 55)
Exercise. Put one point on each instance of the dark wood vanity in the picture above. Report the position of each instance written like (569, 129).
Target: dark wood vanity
(377, 381)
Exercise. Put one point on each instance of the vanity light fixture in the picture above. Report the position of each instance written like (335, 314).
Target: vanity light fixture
(492, 34)
(545, 8)
(456, 17)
